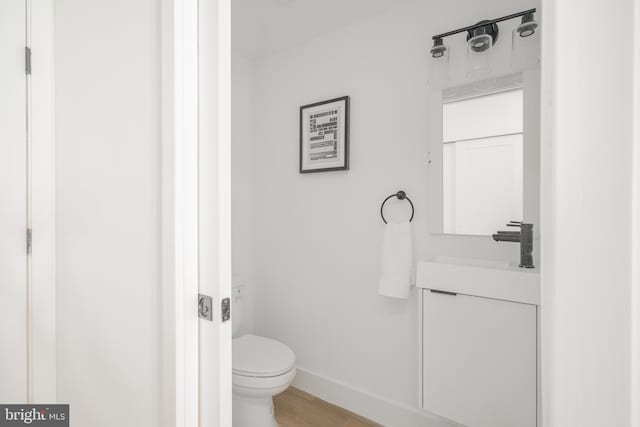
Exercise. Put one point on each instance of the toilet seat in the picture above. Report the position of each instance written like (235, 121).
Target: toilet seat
(260, 357)
(261, 385)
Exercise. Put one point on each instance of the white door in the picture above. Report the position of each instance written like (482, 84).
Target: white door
(215, 209)
(196, 105)
(13, 203)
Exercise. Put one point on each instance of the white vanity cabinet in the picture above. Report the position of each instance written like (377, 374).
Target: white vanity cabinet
(479, 358)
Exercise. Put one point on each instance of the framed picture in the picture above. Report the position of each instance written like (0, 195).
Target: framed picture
(324, 136)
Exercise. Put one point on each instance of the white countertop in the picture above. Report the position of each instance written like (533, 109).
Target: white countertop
(483, 278)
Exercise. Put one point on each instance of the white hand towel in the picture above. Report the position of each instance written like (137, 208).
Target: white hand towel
(397, 261)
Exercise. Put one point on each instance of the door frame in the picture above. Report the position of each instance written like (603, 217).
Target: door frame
(550, 387)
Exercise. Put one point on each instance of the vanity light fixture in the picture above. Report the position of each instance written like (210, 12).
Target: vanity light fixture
(483, 35)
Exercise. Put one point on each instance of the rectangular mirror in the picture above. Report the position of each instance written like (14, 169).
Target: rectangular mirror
(477, 156)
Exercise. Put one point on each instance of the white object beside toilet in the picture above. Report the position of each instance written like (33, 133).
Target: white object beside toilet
(262, 368)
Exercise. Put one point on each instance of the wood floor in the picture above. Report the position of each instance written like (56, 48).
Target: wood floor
(295, 408)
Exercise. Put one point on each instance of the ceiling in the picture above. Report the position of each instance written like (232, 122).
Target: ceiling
(264, 27)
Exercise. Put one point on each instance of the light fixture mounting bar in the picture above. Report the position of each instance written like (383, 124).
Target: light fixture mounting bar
(484, 24)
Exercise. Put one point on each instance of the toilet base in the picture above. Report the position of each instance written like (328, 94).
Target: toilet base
(253, 398)
(253, 411)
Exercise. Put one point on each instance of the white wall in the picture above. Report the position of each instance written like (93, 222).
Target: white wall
(318, 236)
(587, 215)
(108, 211)
(242, 157)
(635, 308)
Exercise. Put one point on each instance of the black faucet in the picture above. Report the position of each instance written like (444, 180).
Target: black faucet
(524, 236)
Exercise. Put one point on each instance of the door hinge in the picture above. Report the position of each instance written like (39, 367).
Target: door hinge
(27, 60)
(29, 240)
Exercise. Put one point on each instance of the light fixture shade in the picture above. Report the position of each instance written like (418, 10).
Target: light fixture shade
(439, 68)
(479, 55)
(480, 42)
(525, 49)
(439, 49)
(528, 26)
(477, 36)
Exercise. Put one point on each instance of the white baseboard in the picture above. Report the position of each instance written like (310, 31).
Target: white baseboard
(375, 408)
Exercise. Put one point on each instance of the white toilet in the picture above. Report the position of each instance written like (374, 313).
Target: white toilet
(262, 368)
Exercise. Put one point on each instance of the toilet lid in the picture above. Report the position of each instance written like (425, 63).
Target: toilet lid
(256, 356)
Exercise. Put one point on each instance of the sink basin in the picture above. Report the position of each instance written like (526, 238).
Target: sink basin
(478, 277)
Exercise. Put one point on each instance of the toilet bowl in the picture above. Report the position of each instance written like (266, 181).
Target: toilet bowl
(262, 368)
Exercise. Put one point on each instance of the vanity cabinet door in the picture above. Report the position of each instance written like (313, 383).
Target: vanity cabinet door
(479, 360)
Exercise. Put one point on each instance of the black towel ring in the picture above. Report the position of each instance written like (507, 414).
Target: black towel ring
(401, 195)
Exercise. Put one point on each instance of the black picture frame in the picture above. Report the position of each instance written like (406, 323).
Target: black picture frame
(341, 138)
